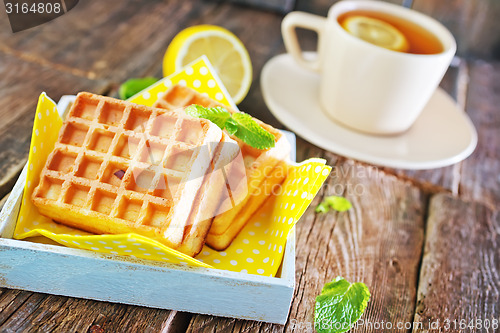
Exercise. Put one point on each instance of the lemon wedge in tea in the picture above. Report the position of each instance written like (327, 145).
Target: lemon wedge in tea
(376, 32)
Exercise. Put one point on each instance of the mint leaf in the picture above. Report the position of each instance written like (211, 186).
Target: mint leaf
(131, 87)
(239, 124)
(334, 202)
(217, 115)
(340, 305)
(245, 128)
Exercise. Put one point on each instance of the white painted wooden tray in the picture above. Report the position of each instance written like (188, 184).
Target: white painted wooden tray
(64, 271)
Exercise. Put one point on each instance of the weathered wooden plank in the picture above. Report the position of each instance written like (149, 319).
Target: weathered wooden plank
(480, 173)
(379, 244)
(119, 40)
(459, 286)
(10, 301)
(34, 312)
(209, 324)
(21, 84)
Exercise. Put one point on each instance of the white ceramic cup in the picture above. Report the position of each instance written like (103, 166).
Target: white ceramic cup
(364, 86)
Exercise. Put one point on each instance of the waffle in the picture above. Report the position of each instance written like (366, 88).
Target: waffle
(244, 210)
(259, 165)
(118, 167)
(213, 190)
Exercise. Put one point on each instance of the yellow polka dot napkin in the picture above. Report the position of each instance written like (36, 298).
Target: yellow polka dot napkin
(259, 247)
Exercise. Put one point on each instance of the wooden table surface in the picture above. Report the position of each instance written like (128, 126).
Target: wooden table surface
(426, 243)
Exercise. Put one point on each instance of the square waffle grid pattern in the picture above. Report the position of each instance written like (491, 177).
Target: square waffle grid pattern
(104, 140)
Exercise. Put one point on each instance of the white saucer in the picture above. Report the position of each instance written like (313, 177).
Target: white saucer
(442, 135)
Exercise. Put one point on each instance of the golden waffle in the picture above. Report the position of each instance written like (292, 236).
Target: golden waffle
(212, 191)
(118, 167)
(244, 210)
(258, 165)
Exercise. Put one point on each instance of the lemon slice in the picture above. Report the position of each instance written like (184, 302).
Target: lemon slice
(377, 32)
(226, 53)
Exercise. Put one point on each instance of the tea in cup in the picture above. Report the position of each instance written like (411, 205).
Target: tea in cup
(379, 63)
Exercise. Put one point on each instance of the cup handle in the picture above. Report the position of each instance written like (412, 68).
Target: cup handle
(306, 21)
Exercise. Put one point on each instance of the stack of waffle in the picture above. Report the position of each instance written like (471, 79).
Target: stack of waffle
(262, 173)
(118, 167)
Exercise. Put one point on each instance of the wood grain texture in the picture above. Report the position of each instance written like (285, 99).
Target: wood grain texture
(210, 324)
(460, 274)
(143, 30)
(21, 84)
(95, 29)
(480, 178)
(24, 311)
(379, 245)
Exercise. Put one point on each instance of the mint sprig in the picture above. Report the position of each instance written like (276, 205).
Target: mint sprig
(246, 129)
(334, 202)
(240, 124)
(340, 305)
(217, 115)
